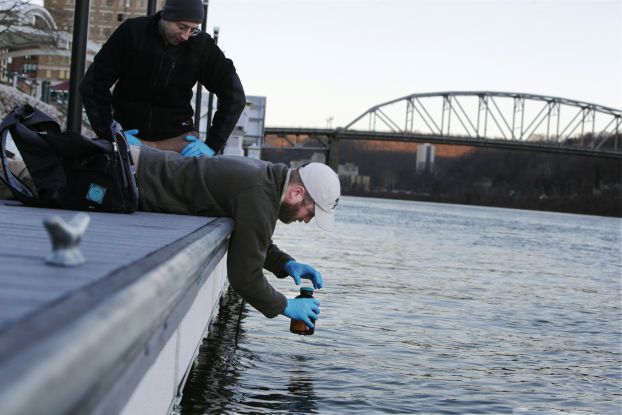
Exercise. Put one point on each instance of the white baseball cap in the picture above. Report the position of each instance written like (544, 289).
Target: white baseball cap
(323, 186)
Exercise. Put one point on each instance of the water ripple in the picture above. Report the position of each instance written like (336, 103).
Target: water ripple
(431, 308)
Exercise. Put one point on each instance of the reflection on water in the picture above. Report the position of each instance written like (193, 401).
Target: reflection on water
(431, 308)
(221, 361)
(217, 363)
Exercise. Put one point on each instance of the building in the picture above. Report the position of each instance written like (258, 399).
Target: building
(255, 124)
(248, 131)
(37, 45)
(28, 36)
(235, 142)
(104, 17)
(315, 158)
(425, 158)
(348, 173)
(350, 178)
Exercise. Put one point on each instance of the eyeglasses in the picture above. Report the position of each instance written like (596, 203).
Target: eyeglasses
(193, 30)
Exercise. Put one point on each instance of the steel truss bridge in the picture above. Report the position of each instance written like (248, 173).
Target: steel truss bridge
(476, 118)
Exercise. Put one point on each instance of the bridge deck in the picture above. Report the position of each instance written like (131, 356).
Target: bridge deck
(343, 134)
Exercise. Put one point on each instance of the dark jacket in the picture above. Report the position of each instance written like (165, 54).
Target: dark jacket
(154, 81)
(244, 189)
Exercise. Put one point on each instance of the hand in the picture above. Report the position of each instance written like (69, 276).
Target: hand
(196, 148)
(298, 270)
(305, 309)
(130, 136)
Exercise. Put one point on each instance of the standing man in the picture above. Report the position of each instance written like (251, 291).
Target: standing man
(255, 194)
(155, 61)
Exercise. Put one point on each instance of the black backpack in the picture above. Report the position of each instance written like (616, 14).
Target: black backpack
(69, 171)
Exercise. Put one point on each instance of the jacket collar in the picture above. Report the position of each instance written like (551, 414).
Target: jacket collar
(153, 23)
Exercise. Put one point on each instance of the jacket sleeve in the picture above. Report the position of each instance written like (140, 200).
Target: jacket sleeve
(275, 260)
(99, 78)
(218, 75)
(248, 248)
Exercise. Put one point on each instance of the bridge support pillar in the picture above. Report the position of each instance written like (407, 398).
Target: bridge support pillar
(332, 158)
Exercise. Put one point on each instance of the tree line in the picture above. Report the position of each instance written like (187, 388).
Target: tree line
(486, 176)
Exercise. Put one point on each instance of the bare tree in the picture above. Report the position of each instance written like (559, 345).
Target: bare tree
(24, 24)
(10, 11)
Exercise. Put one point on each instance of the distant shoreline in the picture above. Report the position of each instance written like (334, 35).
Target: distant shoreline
(593, 207)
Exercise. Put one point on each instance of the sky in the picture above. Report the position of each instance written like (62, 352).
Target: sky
(320, 59)
(316, 59)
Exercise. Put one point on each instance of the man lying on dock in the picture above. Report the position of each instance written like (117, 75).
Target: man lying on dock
(254, 194)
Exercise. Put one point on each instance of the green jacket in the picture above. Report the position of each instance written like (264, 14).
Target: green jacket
(244, 189)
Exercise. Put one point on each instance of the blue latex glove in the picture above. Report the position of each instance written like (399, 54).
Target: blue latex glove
(132, 140)
(298, 270)
(305, 309)
(196, 148)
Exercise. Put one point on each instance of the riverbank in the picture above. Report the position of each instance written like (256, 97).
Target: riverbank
(598, 206)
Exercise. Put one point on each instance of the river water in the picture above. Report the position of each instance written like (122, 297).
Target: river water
(431, 308)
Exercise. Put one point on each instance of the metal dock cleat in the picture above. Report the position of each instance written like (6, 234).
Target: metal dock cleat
(66, 237)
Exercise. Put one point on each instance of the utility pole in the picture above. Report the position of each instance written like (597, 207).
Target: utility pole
(78, 63)
(151, 7)
(197, 102)
(210, 99)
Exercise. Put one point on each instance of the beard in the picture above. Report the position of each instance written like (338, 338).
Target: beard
(288, 212)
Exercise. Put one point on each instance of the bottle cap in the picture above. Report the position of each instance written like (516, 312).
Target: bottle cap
(306, 290)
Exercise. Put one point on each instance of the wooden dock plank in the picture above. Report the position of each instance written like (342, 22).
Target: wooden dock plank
(141, 277)
(112, 241)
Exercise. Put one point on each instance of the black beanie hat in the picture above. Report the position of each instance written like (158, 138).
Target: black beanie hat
(183, 10)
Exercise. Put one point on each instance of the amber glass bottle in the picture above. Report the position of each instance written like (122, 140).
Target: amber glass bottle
(299, 326)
